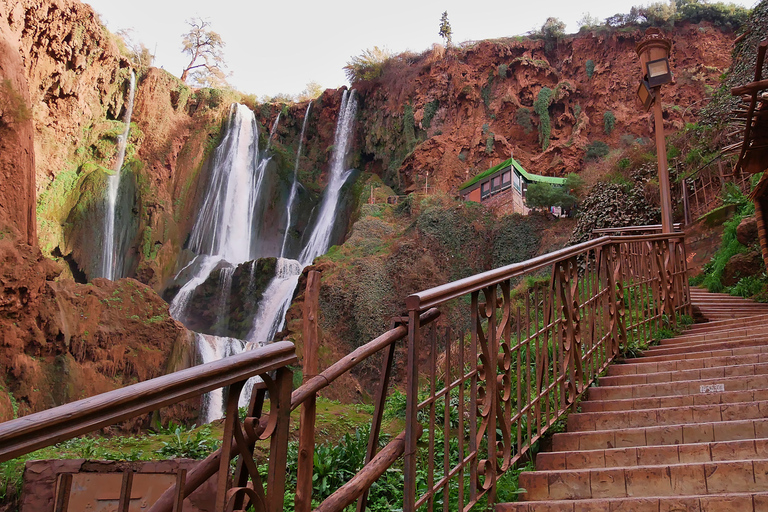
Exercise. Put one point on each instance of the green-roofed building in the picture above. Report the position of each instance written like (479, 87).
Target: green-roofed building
(508, 178)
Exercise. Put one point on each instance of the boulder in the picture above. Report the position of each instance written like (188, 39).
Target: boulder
(742, 265)
(746, 232)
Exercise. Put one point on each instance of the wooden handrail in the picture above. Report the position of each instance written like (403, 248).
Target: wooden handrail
(354, 358)
(45, 428)
(440, 294)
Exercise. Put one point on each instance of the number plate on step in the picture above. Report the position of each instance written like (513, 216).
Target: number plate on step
(711, 388)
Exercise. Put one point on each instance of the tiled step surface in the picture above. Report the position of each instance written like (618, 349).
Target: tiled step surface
(684, 427)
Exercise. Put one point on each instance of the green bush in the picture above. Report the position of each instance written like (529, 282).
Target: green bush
(609, 122)
(503, 70)
(489, 142)
(541, 107)
(523, 118)
(430, 109)
(191, 444)
(368, 65)
(590, 67)
(596, 150)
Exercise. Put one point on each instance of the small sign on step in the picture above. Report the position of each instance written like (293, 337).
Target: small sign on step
(711, 388)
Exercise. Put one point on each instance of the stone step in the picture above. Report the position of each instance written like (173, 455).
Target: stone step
(701, 478)
(730, 502)
(697, 346)
(590, 421)
(735, 331)
(714, 372)
(720, 324)
(760, 348)
(638, 368)
(653, 455)
(728, 397)
(709, 432)
(684, 387)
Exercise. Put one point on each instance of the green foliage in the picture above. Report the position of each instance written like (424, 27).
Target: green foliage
(368, 65)
(596, 150)
(624, 164)
(205, 48)
(192, 444)
(445, 28)
(523, 118)
(489, 142)
(749, 286)
(409, 126)
(729, 245)
(553, 28)
(516, 239)
(574, 184)
(590, 67)
(13, 107)
(541, 107)
(609, 122)
(544, 195)
(503, 70)
(485, 92)
(430, 109)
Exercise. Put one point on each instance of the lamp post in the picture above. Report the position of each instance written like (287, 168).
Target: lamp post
(653, 51)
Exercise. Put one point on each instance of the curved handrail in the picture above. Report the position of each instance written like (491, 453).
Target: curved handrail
(34, 431)
(439, 294)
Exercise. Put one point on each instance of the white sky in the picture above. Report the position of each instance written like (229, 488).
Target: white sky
(279, 46)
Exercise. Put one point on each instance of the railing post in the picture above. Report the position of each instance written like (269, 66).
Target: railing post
(568, 287)
(308, 407)
(412, 430)
(616, 316)
(278, 448)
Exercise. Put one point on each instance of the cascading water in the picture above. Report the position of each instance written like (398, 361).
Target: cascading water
(294, 185)
(276, 299)
(111, 260)
(225, 231)
(272, 131)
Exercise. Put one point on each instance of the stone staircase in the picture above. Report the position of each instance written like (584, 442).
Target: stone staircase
(682, 428)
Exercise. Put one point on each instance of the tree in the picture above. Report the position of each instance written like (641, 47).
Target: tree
(544, 195)
(553, 28)
(445, 28)
(368, 65)
(311, 92)
(202, 43)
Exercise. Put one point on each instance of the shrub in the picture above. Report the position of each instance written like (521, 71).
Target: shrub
(597, 150)
(368, 65)
(609, 122)
(590, 65)
(485, 92)
(523, 118)
(430, 109)
(503, 70)
(541, 107)
(489, 142)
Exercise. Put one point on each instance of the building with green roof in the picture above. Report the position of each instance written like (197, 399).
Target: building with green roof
(507, 178)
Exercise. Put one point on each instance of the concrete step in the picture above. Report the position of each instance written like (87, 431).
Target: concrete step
(741, 329)
(708, 432)
(739, 476)
(704, 353)
(726, 502)
(653, 455)
(638, 368)
(714, 372)
(588, 421)
(684, 387)
(728, 397)
(697, 346)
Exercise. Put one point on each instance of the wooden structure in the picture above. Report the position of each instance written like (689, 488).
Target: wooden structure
(753, 157)
(507, 177)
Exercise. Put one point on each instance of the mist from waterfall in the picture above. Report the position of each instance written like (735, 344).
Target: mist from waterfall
(112, 257)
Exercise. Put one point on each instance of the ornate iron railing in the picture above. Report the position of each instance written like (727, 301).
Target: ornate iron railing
(29, 433)
(508, 359)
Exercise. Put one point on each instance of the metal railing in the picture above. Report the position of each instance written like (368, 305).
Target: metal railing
(494, 361)
(45, 428)
(513, 360)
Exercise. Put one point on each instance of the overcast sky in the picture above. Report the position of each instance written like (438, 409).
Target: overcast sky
(279, 46)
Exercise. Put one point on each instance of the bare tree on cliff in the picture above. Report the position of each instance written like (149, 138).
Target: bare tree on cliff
(445, 29)
(203, 43)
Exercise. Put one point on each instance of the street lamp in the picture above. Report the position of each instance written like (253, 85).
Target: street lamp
(653, 51)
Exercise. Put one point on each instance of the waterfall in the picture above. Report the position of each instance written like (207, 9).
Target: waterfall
(213, 348)
(276, 300)
(111, 260)
(222, 300)
(320, 240)
(294, 185)
(272, 131)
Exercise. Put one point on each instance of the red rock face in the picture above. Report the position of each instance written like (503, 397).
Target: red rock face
(17, 154)
(479, 90)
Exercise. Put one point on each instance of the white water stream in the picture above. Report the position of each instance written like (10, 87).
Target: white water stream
(111, 261)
